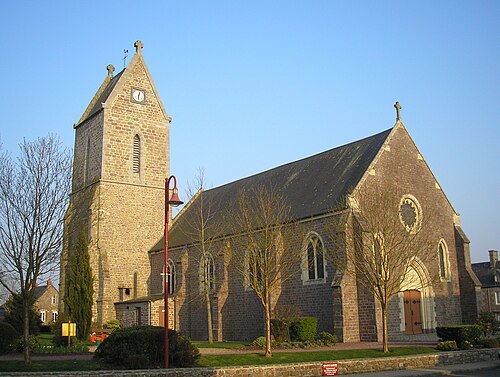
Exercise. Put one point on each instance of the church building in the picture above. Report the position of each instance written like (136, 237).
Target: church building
(121, 161)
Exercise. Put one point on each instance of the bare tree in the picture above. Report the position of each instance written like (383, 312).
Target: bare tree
(203, 229)
(261, 221)
(388, 235)
(34, 192)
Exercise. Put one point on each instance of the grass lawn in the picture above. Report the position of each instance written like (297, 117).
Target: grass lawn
(297, 357)
(223, 360)
(48, 366)
(227, 345)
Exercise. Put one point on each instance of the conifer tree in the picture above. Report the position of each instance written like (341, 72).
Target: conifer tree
(80, 288)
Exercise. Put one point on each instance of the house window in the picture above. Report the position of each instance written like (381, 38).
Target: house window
(497, 297)
(53, 300)
(136, 155)
(497, 278)
(54, 316)
(444, 263)
(43, 316)
(207, 273)
(314, 258)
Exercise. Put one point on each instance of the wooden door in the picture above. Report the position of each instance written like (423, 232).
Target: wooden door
(412, 309)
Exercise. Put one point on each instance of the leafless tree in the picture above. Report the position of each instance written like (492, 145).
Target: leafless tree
(34, 192)
(388, 236)
(260, 249)
(203, 230)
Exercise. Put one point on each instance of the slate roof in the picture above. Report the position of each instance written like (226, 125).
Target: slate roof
(485, 273)
(104, 96)
(313, 185)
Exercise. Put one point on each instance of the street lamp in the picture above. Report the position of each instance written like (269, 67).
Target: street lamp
(173, 201)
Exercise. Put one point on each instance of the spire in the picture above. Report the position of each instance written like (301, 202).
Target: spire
(398, 109)
(138, 47)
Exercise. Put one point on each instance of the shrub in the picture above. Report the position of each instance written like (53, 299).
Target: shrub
(279, 330)
(112, 324)
(466, 336)
(8, 336)
(449, 345)
(488, 343)
(260, 342)
(33, 343)
(327, 339)
(488, 323)
(146, 342)
(303, 329)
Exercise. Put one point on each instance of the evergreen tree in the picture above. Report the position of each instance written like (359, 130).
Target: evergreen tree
(80, 288)
(14, 313)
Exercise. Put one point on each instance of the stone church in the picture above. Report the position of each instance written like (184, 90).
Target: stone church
(121, 161)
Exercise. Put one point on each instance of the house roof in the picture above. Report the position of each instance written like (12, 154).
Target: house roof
(313, 185)
(485, 273)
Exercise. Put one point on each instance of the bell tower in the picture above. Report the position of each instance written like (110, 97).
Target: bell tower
(121, 158)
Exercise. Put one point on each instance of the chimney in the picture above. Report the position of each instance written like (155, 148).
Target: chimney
(49, 283)
(493, 258)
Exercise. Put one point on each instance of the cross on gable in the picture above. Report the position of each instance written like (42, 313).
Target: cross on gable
(138, 46)
(111, 69)
(398, 109)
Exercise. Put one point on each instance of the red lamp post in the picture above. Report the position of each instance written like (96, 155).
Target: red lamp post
(173, 201)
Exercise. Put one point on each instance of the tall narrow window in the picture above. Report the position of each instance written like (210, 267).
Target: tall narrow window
(315, 258)
(86, 174)
(444, 270)
(136, 158)
(207, 273)
(171, 277)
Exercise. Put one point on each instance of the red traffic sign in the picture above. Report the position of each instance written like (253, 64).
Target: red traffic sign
(330, 369)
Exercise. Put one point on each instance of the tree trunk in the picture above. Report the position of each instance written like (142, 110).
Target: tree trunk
(209, 316)
(26, 331)
(267, 309)
(385, 340)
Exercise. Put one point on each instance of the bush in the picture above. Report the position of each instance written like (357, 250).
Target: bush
(303, 329)
(465, 336)
(132, 346)
(8, 336)
(488, 343)
(327, 339)
(259, 342)
(33, 343)
(279, 330)
(449, 345)
(112, 324)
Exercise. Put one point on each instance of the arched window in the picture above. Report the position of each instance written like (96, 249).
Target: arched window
(314, 258)
(207, 273)
(136, 155)
(444, 263)
(171, 278)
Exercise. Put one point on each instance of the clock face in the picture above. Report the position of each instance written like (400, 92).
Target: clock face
(138, 95)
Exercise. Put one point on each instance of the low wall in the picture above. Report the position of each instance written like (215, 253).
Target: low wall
(297, 369)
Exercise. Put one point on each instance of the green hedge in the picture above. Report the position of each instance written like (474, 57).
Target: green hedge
(8, 336)
(465, 336)
(144, 347)
(303, 329)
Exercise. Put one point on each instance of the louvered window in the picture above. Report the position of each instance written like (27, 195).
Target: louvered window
(136, 163)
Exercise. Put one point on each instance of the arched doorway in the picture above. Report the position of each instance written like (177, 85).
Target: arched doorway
(417, 310)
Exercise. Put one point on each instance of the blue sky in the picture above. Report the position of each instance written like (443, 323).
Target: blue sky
(251, 85)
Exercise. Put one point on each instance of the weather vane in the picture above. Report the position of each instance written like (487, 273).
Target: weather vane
(125, 53)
